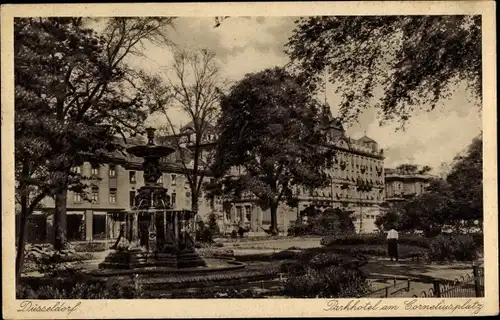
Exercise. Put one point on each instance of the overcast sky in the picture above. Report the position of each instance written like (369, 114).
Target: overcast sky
(245, 45)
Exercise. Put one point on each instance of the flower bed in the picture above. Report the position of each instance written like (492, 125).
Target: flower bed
(210, 280)
(261, 238)
(405, 251)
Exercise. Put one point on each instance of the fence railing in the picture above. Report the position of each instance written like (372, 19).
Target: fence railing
(469, 285)
(390, 290)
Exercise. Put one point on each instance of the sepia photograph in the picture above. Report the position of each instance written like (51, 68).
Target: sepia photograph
(218, 155)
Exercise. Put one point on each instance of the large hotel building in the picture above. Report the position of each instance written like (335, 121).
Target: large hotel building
(356, 184)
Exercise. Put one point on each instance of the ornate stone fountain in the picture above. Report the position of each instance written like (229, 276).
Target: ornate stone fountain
(154, 234)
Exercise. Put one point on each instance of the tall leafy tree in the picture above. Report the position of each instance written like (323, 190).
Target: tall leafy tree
(413, 60)
(466, 182)
(270, 132)
(44, 137)
(88, 92)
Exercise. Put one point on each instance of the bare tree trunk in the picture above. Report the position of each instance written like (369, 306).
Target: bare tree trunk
(60, 219)
(21, 241)
(274, 219)
(194, 202)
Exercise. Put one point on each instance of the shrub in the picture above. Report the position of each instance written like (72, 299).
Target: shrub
(330, 282)
(322, 260)
(234, 234)
(46, 260)
(453, 248)
(478, 238)
(204, 234)
(332, 221)
(242, 231)
(284, 255)
(213, 252)
(212, 224)
(300, 229)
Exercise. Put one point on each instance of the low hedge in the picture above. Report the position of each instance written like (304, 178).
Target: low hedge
(91, 246)
(374, 239)
(281, 255)
(405, 251)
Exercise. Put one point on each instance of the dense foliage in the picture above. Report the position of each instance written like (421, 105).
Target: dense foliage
(73, 94)
(455, 201)
(453, 248)
(415, 60)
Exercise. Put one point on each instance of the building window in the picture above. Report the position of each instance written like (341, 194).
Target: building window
(131, 198)
(131, 177)
(248, 213)
(95, 195)
(95, 171)
(77, 197)
(174, 177)
(77, 170)
(239, 211)
(112, 196)
(188, 195)
(112, 171)
(174, 200)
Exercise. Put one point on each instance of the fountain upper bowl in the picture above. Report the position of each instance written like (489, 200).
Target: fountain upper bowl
(150, 151)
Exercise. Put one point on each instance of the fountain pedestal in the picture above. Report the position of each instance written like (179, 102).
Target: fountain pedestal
(153, 234)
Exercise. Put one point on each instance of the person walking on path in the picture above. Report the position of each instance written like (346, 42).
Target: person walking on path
(392, 244)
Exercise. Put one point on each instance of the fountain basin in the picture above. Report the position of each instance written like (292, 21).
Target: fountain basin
(212, 265)
(141, 259)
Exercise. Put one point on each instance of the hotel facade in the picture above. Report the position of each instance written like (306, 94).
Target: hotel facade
(356, 184)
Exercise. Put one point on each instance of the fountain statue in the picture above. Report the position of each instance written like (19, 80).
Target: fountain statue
(154, 234)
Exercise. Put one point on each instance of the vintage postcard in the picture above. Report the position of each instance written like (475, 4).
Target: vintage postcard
(234, 160)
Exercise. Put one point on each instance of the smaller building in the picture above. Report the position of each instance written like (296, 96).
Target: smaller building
(401, 185)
